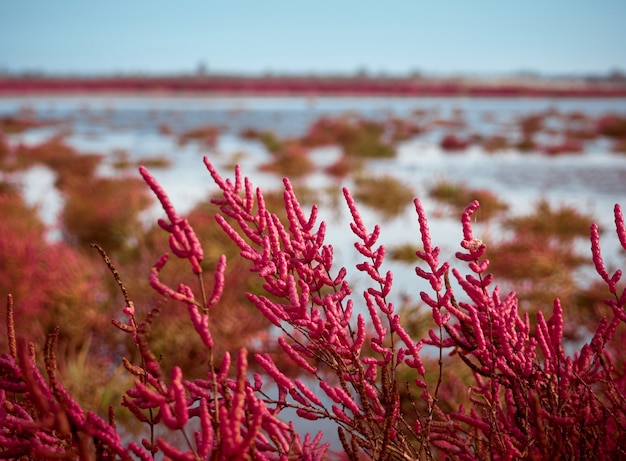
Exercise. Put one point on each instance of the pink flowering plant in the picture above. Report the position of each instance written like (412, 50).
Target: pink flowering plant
(527, 397)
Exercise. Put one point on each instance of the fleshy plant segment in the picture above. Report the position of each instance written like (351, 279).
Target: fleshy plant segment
(527, 398)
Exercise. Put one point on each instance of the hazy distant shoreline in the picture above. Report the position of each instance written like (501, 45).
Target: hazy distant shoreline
(314, 86)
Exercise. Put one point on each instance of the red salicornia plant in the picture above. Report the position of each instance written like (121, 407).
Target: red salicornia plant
(528, 398)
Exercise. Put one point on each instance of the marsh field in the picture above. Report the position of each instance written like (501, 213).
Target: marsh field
(567, 152)
(516, 155)
(542, 169)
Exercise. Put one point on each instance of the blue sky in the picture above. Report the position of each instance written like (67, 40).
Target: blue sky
(287, 36)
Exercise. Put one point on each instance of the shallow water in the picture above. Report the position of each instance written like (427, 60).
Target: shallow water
(593, 181)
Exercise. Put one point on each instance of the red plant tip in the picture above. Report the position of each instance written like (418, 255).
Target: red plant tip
(423, 224)
(619, 225)
(160, 193)
(466, 220)
(183, 240)
(596, 253)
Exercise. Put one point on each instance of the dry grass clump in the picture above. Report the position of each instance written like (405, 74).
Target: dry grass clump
(368, 142)
(531, 258)
(64, 160)
(101, 210)
(385, 194)
(566, 146)
(458, 196)
(16, 125)
(612, 125)
(453, 143)
(122, 161)
(448, 192)
(104, 211)
(564, 223)
(538, 269)
(539, 258)
(234, 159)
(344, 166)
(526, 144)
(404, 252)
(403, 129)
(291, 160)
(269, 140)
(495, 143)
(206, 135)
(5, 151)
(290, 157)
(357, 137)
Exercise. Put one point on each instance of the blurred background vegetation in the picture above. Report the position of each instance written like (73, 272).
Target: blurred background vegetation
(63, 281)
